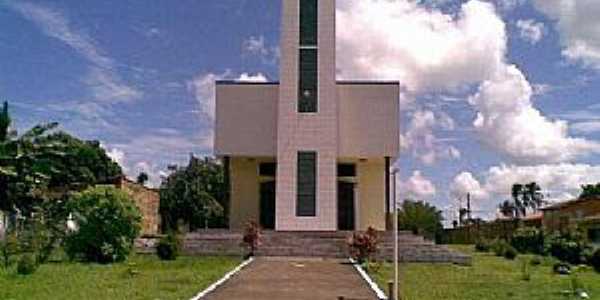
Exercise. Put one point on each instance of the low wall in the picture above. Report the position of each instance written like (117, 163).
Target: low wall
(502, 229)
(205, 242)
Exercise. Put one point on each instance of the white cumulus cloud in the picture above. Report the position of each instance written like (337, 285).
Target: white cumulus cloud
(417, 187)
(579, 27)
(428, 50)
(530, 30)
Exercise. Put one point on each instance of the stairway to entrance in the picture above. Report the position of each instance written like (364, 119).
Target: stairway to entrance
(412, 248)
(330, 244)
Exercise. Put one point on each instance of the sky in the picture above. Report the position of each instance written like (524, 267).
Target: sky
(493, 92)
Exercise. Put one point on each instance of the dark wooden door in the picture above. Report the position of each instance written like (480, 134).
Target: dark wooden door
(345, 206)
(267, 205)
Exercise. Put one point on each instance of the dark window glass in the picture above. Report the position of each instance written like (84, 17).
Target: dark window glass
(308, 22)
(307, 86)
(346, 170)
(267, 169)
(306, 184)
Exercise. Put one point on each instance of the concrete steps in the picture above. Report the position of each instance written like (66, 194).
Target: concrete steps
(331, 244)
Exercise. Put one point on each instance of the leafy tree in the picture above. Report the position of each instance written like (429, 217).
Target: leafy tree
(142, 178)
(44, 163)
(525, 197)
(590, 190)
(194, 195)
(420, 218)
(508, 209)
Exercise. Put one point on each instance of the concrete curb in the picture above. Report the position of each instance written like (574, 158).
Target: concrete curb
(372, 284)
(224, 279)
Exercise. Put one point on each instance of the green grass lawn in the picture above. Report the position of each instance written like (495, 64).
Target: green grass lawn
(180, 279)
(489, 277)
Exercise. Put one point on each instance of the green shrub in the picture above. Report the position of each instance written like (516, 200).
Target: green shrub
(108, 222)
(535, 261)
(594, 260)
(528, 240)
(9, 246)
(568, 246)
(499, 247)
(482, 245)
(168, 247)
(510, 252)
(27, 264)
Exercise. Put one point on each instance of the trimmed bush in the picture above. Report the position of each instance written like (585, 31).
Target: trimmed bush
(528, 240)
(482, 245)
(535, 261)
(27, 264)
(108, 222)
(568, 247)
(510, 252)
(499, 247)
(594, 261)
(168, 247)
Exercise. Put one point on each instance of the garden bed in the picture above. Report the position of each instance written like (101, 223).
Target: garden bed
(141, 277)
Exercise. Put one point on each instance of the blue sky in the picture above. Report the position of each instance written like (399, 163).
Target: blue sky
(138, 75)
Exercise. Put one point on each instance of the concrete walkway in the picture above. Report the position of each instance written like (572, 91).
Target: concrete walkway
(294, 278)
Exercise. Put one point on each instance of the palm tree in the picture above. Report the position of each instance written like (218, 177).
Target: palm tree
(507, 209)
(526, 196)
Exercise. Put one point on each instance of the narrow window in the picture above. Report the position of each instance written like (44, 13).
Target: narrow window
(308, 22)
(306, 184)
(307, 86)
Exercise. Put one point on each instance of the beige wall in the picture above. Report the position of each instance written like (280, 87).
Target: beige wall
(244, 192)
(368, 120)
(246, 119)
(371, 194)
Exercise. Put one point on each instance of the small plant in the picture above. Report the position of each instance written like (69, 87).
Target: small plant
(594, 260)
(562, 268)
(9, 246)
(482, 245)
(132, 269)
(535, 261)
(363, 244)
(168, 247)
(510, 252)
(251, 237)
(499, 247)
(27, 264)
(525, 274)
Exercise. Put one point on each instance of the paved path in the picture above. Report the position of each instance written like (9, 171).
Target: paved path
(291, 279)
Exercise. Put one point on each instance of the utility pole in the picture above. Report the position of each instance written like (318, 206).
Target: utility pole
(469, 207)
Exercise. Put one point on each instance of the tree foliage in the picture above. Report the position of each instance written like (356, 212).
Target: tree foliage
(590, 190)
(421, 218)
(525, 198)
(142, 178)
(44, 163)
(194, 194)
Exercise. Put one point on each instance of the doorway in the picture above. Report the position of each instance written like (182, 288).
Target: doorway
(346, 211)
(267, 205)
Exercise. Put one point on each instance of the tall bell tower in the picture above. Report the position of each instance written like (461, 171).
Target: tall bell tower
(307, 127)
